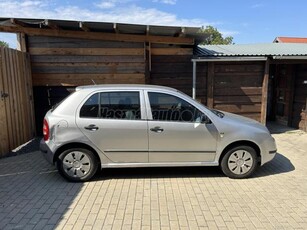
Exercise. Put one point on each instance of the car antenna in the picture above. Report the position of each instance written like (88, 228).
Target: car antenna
(94, 82)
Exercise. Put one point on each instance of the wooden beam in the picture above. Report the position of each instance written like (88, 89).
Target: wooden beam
(98, 35)
(82, 76)
(181, 33)
(238, 91)
(251, 108)
(149, 56)
(172, 51)
(264, 98)
(115, 28)
(84, 27)
(291, 94)
(86, 51)
(289, 61)
(210, 84)
(18, 22)
(4, 135)
(147, 30)
(51, 25)
(147, 62)
(21, 42)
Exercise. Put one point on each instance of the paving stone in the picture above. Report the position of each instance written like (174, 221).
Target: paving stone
(164, 198)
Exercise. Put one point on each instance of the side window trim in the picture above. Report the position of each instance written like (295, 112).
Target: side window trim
(99, 105)
(147, 104)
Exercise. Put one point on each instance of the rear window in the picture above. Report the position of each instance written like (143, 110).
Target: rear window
(90, 107)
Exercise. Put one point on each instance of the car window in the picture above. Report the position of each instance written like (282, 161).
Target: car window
(90, 107)
(120, 105)
(167, 107)
(112, 105)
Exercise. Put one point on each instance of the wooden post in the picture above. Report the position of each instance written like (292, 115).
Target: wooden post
(210, 84)
(21, 42)
(4, 138)
(264, 98)
(291, 94)
(147, 60)
(194, 80)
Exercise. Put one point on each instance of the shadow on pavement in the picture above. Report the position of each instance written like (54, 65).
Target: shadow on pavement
(280, 164)
(276, 128)
(28, 147)
(32, 193)
(157, 172)
(34, 196)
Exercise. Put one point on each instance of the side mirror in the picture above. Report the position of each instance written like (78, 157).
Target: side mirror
(205, 119)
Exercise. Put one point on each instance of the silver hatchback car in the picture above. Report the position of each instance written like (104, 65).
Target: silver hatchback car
(113, 126)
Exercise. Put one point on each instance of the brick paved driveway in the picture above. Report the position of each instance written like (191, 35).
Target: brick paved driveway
(34, 196)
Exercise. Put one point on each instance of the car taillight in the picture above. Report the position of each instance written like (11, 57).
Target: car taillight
(46, 130)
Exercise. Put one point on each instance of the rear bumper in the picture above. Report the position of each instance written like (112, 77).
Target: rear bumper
(45, 150)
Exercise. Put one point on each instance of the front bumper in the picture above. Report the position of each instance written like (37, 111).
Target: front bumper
(48, 154)
(269, 151)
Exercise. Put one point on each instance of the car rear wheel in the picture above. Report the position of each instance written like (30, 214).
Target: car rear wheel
(77, 164)
(239, 162)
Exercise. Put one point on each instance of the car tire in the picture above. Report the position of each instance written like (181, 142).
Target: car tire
(239, 162)
(77, 164)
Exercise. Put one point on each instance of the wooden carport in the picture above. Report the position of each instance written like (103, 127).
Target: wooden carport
(260, 81)
(66, 54)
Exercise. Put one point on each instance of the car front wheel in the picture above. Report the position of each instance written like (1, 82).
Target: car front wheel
(77, 164)
(239, 162)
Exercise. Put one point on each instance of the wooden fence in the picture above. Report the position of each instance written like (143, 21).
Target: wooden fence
(16, 100)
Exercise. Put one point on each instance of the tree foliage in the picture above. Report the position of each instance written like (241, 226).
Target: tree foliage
(4, 44)
(215, 37)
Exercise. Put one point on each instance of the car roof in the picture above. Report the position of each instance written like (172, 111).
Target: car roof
(123, 86)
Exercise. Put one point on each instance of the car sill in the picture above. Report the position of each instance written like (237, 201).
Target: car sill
(175, 164)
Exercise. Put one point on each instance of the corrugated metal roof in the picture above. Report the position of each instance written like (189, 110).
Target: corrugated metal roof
(107, 27)
(251, 50)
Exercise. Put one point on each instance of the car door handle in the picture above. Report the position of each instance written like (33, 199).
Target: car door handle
(91, 127)
(157, 129)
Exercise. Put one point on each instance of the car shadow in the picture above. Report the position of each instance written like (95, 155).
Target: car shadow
(280, 164)
(158, 172)
(34, 195)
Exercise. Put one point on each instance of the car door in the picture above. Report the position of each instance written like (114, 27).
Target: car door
(114, 121)
(177, 132)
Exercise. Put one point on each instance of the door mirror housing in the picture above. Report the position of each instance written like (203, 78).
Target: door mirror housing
(205, 119)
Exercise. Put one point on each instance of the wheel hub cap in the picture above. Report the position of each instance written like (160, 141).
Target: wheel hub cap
(76, 164)
(240, 162)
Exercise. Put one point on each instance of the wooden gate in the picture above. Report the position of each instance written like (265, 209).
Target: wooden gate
(16, 100)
